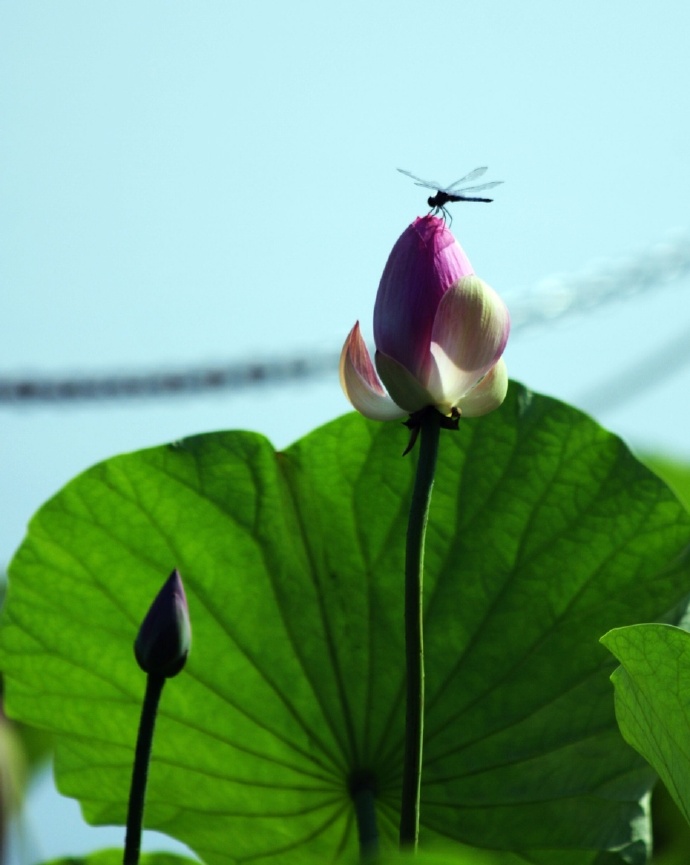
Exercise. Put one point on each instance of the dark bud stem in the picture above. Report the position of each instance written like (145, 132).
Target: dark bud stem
(137, 793)
(161, 648)
(429, 423)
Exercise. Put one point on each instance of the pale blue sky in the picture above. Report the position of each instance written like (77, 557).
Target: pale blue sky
(184, 183)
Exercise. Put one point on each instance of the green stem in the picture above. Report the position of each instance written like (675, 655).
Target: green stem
(430, 424)
(142, 756)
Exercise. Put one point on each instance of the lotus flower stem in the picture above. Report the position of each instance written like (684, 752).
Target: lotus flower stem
(430, 422)
(142, 756)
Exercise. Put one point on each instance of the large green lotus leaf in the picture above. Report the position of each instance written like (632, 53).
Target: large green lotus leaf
(674, 472)
(652, 686)
(114, 857)
(460, 856)
(544, 533)
(457, 855)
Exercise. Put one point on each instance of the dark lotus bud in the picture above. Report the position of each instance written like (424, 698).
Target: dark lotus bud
(165, 636)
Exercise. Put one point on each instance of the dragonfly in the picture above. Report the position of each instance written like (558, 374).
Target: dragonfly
(455, 192)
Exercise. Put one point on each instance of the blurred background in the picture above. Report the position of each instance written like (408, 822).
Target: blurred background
(198, 201)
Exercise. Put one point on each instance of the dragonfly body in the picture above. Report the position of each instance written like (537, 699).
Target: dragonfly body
(442, 197)
(455, 192)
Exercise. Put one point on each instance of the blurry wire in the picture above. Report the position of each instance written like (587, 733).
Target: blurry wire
(550, 300)
(164, 384)
(640, 376)
(561, 296)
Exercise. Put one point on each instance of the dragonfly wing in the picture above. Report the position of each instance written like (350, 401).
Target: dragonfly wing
(473, 175)
(429, 184)
(455, 188)
(479, 188)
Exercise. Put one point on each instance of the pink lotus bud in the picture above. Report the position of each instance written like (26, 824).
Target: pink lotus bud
(439, 331)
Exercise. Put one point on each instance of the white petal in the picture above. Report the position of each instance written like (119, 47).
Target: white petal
(488, 394)
(361, 384)
(471, 326)
(448, 384)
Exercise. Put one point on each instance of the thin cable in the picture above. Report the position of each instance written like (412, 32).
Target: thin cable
(165, 384)
(550, 300)
(644, 374)
(559, 297)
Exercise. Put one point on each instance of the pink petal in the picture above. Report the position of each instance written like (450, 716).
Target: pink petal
(361, 384)
(471, 326)
(425, 261)
(488, 394)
